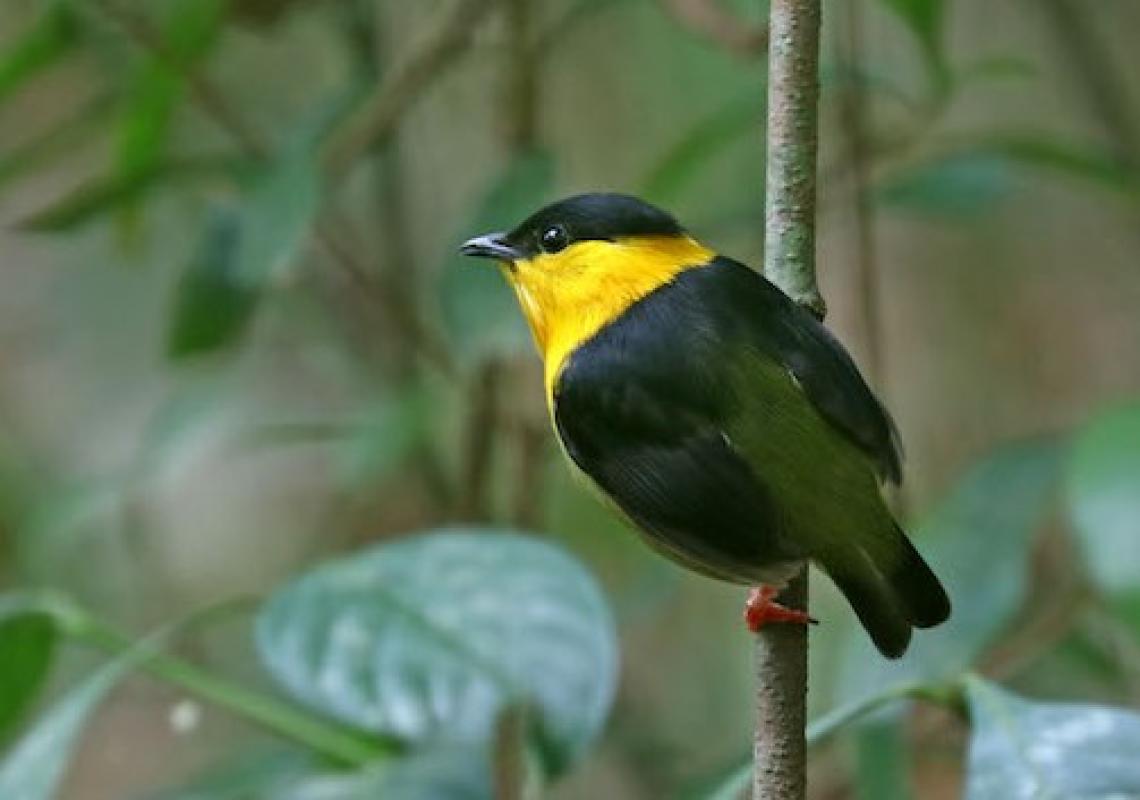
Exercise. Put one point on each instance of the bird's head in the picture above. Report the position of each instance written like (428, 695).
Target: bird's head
(578, 263)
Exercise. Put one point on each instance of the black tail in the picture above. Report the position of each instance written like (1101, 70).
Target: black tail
(891, 590)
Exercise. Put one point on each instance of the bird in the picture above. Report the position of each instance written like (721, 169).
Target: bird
(719, 417)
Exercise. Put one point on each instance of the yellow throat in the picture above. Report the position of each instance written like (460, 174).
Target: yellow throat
(568, 296)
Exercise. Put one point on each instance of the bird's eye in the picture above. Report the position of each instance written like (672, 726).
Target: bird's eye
(554, 239)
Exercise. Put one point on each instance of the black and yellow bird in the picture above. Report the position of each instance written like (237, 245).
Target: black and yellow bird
(719, 416)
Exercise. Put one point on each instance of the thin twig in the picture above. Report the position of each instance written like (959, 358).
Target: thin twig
(780, 750)
(378, 115)
(478, 448)
(710, 20)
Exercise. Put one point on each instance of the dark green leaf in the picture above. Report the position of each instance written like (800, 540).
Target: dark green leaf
(1103, 492)
(978, 543)
(1049, 751)
(212, 307)
(28, 637)
(429, 638)
(479, 309)
(49, 39)
(685, 160)
(963, 184)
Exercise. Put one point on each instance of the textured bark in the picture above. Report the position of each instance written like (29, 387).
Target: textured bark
(780, 749)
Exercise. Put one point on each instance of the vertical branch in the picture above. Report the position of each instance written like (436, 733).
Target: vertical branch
(780, 749)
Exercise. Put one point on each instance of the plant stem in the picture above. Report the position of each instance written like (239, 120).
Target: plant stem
(780, 748)
(326, 738)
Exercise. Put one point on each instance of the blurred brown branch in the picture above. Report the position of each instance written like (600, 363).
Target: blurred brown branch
(711, 21)
(376, 117)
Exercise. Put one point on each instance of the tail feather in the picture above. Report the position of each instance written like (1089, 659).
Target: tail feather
(917, 587)
(891, 590)
(874, 603)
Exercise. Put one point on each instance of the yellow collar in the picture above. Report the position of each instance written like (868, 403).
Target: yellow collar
(567, 297)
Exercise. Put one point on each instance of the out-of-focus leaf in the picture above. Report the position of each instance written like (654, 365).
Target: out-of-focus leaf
(387, 435)
(480, 314)
(925, 19)
(977, 542)
(212, 306)
(28, 637)
(429, 638)
(1087, 162)
(279, 211)
(48, 40)
(675, 171)
(58, 142)
(105, 194)
(159, 82)
(881, 754)
(433, 774)
(993, 69)
(1024, 750)
(34, 766)
(963, 184)
(1103, 492)
(254, 774)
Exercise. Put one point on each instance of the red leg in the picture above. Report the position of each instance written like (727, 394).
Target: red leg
(761, 608)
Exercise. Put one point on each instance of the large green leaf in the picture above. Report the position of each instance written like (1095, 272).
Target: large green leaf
(978, 543)
(1049, 751)
(48, 39)
(430, 638)
(28, 637)
(479, 310)
(212, 307)
(1103, 491)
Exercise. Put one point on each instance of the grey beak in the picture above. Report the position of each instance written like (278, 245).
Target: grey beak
(493, 245)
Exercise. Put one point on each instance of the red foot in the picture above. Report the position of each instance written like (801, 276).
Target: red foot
(761, 608)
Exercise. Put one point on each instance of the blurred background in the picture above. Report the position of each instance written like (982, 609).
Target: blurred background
(235, 339)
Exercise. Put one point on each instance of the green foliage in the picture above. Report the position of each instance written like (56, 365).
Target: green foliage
(479, 311)
(280, 207)
(212, 307)
(1103, 488)
(1049, 750)
(677, 168)
(27, 645)
(35, 765)
(157, 84)
(429, 639)
(960, 185)
(49, 38)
